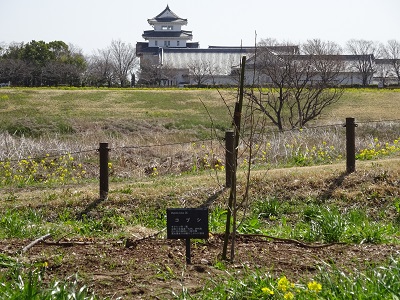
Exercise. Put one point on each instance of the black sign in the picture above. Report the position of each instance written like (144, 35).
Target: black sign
(187, 223)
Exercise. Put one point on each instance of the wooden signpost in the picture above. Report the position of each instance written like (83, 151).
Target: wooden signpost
(187, 223)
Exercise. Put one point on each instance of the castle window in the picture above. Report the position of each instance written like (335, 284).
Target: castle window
(177, 43)
(156, 43)
(167, 27)
(167, 43)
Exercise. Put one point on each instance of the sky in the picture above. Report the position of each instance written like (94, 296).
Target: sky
(92, 24)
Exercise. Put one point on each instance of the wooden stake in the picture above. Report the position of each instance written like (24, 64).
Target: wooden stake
(232, 195)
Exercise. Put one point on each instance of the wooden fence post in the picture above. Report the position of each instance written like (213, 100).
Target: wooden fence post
(229, 156)
(103, 151)
(350, 145)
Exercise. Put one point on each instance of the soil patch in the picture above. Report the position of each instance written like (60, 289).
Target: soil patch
(155, 268)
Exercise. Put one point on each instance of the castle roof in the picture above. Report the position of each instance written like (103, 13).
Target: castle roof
(167, 16)
(167, 34)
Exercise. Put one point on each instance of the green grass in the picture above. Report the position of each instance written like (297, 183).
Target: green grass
(24, 223)
(66, 111)
(320, 223)
(36, 112)
(365, 105)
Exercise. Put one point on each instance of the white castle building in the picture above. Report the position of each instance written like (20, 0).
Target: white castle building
(170, 58)
(179, 61)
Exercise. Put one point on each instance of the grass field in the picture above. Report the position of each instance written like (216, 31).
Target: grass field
(45, 111)
(310, 231)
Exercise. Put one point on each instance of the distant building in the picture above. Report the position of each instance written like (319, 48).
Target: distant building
(169, 54)
(170, 58)
(387, 72)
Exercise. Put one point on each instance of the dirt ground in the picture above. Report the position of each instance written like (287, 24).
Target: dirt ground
(155, 268)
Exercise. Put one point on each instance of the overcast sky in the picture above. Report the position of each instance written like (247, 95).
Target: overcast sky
(93, 24)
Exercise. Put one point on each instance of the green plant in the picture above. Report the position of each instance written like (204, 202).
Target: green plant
(361, 229)
(325, 223)
(7, 262)
(164, 272)
(30, 286)
(396, 204)
(20, 224)
(156, 218)
(250, 225)
(268, 208)
(217, 219)
(375, 283)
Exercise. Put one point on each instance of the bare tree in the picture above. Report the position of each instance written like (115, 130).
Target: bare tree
(391, 52)
(150, 72)
(364, 52)
(325, 57)
(277, 72)
(53, 73)
(16, 71)
(169, 74)
(123, 59)
(199, 71)
(300, 86)
(383, 71)
(320, 47)
(100, 68)
(268, 42)
(3, 48)
(215, 69)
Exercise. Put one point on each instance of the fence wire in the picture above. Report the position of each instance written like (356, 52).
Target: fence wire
(138, 147)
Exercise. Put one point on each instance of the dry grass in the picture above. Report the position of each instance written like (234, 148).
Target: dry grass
(149, 129)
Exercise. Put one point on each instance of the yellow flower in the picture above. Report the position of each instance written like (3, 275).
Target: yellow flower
(283, 284)
(154, 172)
(288, 296)
(267, 291)
(314, 286)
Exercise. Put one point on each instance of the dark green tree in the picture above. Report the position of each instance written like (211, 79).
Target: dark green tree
(39, 63)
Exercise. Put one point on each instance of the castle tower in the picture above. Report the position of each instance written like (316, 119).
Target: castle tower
(167, 31)
(167, 35)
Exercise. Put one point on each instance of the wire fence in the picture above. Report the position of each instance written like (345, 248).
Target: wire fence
(296, 147)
